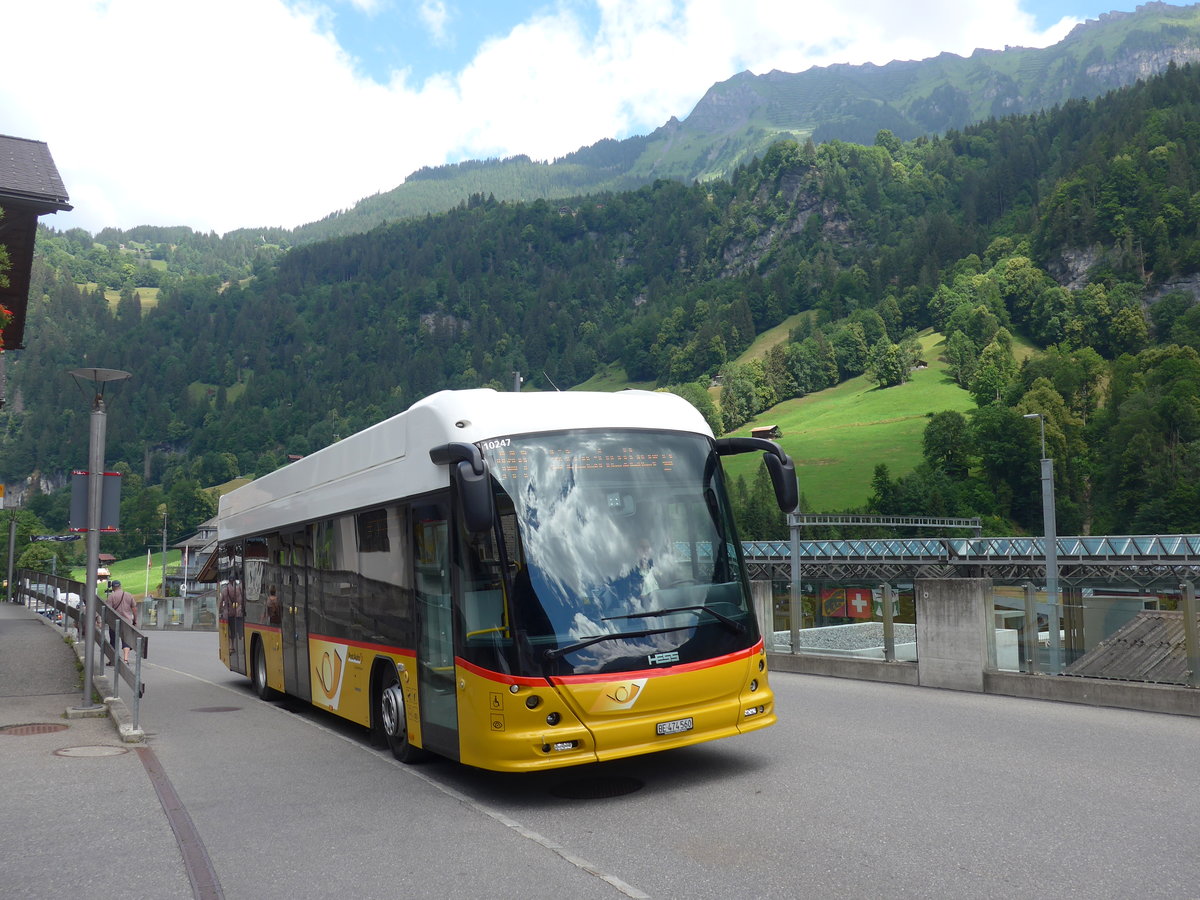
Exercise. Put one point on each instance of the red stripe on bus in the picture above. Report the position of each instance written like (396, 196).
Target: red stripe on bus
(499, 676)
(378, 648)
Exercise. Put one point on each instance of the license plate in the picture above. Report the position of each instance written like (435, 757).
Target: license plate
(674, 727)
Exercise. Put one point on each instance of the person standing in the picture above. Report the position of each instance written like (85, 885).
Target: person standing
(231, 607)
(125, 606)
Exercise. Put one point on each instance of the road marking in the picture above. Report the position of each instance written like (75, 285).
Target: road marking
(495, 815)
(196, 861)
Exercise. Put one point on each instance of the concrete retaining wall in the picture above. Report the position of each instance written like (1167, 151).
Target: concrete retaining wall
(952, 653)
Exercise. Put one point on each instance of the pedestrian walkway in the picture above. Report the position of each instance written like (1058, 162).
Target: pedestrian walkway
(79, 811)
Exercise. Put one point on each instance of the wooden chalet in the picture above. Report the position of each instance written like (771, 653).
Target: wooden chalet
(30, 187)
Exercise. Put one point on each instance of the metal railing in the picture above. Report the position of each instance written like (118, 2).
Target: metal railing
(62, 601)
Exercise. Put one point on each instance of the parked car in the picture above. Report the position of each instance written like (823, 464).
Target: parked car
(39, 595)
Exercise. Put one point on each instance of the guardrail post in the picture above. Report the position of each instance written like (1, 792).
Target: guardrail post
(760, 595)
(889, 626)
(1030, 632)
(138, 688)
(1190, 640)
(796, 599)
(12, 553)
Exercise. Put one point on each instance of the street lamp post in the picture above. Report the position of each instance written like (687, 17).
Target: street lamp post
(97, 378)
(1049, 543)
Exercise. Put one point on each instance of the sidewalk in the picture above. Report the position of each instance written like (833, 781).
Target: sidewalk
(79, 810)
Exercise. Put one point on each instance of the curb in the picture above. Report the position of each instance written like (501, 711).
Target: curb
(114, 707)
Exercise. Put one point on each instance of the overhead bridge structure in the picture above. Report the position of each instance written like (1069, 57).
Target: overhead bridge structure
(1145, 561)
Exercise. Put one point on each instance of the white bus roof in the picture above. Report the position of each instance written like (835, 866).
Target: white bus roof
(391, 459)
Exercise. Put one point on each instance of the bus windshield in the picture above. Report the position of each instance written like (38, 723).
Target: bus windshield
(621, 551)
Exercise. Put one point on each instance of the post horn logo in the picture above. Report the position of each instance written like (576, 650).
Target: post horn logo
(329, 673)
(619, 695)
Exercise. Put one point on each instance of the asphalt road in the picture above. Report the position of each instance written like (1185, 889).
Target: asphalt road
(861, 790)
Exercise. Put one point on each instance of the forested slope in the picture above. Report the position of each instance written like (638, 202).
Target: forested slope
(739, 118)
(976, 234)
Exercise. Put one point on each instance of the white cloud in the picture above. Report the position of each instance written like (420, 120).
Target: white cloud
(233, 113)
(435, 15)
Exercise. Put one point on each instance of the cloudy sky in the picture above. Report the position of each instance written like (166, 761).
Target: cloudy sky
(221, 114)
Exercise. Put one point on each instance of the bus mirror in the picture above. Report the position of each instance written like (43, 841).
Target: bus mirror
(780, 467)
(474, 497)
(783, 477)
(471, 483)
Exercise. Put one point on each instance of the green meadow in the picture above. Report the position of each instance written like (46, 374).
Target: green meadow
(838, 436)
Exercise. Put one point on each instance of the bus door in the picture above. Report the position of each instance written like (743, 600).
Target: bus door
(435, 627)
(293, 598)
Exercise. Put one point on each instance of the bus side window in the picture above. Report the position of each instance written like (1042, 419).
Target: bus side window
(483, 595)
(485, 625)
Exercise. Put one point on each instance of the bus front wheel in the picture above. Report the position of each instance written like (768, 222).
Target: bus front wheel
(393, 720)
(258, 670)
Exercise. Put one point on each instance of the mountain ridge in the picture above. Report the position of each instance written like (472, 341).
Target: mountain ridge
(740, 117)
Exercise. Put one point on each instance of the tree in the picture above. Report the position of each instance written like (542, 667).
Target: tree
(850, 347)
(887, 365)
(889, 142)
(962, 358)
(1008, 453)
(978, 322)
(883, 492)
(28, 525)
(997, 368)
(189, 504)
(946, 443)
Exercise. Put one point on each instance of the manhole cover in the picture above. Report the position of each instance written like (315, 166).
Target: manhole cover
(216, 709)
(599, 788)
(90, 751)
(33, 728)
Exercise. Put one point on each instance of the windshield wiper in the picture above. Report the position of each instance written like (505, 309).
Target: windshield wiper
(732, 624)
(557, 652)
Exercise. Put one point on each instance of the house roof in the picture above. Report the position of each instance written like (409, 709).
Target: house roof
(28, 175)
(1150, 647)
(206, 533)
(30, 186)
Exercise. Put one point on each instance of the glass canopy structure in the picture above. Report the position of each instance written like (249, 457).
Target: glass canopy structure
(1136, 560)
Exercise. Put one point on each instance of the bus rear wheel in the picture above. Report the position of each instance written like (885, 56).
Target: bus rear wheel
(392, 719)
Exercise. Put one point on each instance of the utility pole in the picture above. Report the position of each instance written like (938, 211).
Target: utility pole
(1049, 546)
(95, 492)
(12, 544)
(163, 587)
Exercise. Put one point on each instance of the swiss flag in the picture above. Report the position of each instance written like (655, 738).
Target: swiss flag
(858, 603)
(847, 603)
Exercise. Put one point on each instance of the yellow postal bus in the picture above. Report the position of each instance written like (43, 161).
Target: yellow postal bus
(512, 580)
